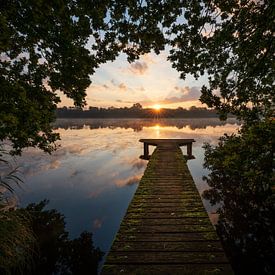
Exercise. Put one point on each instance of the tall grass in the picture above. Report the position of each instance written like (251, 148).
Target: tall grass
(16, 242)
(10, 176)
(16, 236)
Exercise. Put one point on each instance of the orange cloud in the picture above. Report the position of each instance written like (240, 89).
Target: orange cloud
(128, 181)
(182, 94)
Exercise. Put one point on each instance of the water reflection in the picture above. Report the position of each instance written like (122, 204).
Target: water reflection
(138, 124)
(52, 252)
(92, 177)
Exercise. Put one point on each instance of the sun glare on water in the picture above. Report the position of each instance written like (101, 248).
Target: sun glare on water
(157, 107)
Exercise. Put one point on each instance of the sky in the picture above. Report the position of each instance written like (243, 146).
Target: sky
(150, 81)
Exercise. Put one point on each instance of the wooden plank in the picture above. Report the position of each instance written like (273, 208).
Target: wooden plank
(169, 237)
(140, 228)
(166, 257)
(163, 192)
(161, 199)
(190, 269)
(166, 229)
(162, 210)
(168, 246)
(159, 215)
(168, 221)
(168, 204)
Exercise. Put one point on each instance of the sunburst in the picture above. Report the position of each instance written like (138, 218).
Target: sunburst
(157, 107)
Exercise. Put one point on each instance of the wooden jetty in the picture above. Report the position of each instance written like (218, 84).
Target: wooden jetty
(166, 229)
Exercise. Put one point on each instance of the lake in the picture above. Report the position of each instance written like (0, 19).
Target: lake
(93, 175)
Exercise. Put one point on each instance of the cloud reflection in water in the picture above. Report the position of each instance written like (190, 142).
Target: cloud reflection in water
(92, 177)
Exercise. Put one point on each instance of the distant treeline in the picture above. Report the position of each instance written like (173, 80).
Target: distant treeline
(136, 111)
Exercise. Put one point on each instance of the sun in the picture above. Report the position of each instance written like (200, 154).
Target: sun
(157, 107)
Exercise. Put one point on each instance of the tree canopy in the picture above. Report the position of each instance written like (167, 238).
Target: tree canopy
(55, 46)
(233, 42)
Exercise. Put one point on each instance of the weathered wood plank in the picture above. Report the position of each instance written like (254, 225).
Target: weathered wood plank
(165, 257)
(167, 196)
(159, 215)
(170, 221)
(165, 228)
(170, 210)
(165, 199)
(170, 204)
(166, 192)
(168, 246)
(153, 269)
(169, 237)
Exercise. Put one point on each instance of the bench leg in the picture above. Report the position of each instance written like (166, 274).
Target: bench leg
(146, 150)
(189, 150)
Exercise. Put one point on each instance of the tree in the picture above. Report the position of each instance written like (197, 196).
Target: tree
(233, 43)
(40, 48)
(137, 106)
(49, 46)
(241, 181)
(43, 50)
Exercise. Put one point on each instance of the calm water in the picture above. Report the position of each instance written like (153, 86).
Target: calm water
(92, 177)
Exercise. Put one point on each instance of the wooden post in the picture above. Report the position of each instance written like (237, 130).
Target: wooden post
(146, 150)
(189, 149)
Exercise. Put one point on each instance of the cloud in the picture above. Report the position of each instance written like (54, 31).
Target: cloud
(139, 164)
(138, 68)
(125, 101)
(183, 94)
(128, 181)
(95, 194)
(39, 165)
(94, 100)
(54, 164)
(97, 223)
(148, 58)
(146, 102)
(122, 87)
(112, 85)
(74, 173)
(177, 95)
